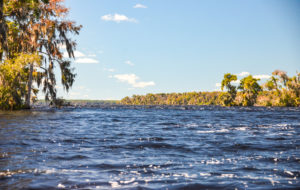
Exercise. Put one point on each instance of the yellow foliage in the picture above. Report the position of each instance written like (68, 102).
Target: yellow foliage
(13, 79)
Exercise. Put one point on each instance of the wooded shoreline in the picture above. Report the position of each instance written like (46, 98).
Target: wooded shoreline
(279, 90)
(265, 99)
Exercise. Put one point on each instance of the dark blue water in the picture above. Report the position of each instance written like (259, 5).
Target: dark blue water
(137, 148)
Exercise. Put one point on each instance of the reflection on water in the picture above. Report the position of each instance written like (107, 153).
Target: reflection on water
(171, 147)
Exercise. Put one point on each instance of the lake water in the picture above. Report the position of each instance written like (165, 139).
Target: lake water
(153, 148)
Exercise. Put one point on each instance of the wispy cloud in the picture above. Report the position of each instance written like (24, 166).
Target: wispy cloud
(77, 92)
(218, 84)
(262, 76)
(76, 54)
(244, 73)
(86, 60)
(81, 57)
(92, 55)
(117, 18)
(139, 6)
(109, 70)
(132, 79)
(129, 63)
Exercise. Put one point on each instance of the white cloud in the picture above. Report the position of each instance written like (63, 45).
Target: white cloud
(77, 92)
(244, 73)
(82, 58)
(139, 6)
(129, 63)
(143, 84)
(262, 76)
(61, 46)
(218, 84)
(66, 55)
(76, 54)
(236, 82)
(118, 18)
(86, 60)
(129, 78)
(132, 80)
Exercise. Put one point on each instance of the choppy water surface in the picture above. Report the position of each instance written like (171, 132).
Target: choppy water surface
(136, 148)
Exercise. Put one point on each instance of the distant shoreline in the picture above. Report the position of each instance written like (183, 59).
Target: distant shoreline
(118, 103)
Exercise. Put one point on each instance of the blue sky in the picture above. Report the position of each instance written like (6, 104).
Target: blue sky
(131, 47)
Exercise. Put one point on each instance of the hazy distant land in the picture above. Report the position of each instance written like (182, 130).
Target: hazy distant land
(168, 99)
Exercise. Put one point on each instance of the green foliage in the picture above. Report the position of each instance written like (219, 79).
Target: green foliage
(271, 84)
(293, 86)
(286, 89)
(13, 80)
(280, 90)
(36, 27)
(190, 98)
(286, 99)
(250, 89)
(59, 103)
(226, 82)
(227, 99)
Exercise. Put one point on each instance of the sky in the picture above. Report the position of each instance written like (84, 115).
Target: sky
(131, 47)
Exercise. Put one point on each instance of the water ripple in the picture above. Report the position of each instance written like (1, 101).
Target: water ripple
(151, 147)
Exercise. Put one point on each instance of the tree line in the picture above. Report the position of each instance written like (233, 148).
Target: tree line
(279, 90)
(33, 36)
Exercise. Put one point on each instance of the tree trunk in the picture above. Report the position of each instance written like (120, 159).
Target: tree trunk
(28, 97)
(1, 12)
(2, 29)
